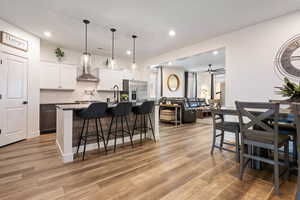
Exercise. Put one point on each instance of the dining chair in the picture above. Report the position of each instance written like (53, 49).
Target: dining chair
(287, 127)
(219, 124)
(296, 111)
(264, 135)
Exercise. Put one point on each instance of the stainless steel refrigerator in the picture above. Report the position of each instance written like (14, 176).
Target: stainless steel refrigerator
(137, 90)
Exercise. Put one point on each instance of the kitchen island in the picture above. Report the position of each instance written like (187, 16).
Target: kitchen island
(69, 125)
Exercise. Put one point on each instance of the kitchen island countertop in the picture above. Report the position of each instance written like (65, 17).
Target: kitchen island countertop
(69, 125)
(77, 106)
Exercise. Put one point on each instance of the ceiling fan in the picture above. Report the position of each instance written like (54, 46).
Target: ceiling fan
(211, 70)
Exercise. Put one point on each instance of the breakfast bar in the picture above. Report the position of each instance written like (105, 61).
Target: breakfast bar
(69, 126)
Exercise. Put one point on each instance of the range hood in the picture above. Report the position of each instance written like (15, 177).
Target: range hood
(87, 76)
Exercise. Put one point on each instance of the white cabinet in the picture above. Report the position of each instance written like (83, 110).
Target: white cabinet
(49, 75)
(68, 75)
(56, 76)
(109, 78)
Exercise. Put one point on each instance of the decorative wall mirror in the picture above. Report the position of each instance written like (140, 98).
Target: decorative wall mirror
(287, 59)
(173, 82)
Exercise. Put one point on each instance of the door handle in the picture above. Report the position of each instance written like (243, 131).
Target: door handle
(25, 102)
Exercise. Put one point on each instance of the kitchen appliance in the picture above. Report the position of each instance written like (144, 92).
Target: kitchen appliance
(137, 90)
(133, 96)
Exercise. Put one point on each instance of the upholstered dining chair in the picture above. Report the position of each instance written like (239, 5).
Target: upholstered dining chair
(219, 124)
(255, 132)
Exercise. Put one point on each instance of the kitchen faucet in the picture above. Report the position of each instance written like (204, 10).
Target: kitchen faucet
(116, 93)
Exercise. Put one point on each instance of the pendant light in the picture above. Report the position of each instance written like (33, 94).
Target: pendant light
(133, 57)
(112, 62)
(86, 60)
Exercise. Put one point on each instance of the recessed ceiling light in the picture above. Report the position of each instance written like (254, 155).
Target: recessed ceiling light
(128, 52)
(170, 63)
(172, 33)
(47, 34)
(215, 52)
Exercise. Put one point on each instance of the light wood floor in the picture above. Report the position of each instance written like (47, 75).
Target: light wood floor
(178, 167)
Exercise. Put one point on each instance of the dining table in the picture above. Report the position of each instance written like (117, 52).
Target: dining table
(286, 115)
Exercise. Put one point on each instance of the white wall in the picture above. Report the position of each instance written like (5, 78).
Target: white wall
(33, 56)
(250, 54)
(204, 85)
(73, 57)
(167, 71)
(153, 84)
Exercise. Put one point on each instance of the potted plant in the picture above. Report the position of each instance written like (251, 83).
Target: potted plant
(59, 54)
(290, 89)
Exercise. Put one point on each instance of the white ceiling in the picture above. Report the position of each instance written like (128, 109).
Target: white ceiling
(200, 62)
(193, 21)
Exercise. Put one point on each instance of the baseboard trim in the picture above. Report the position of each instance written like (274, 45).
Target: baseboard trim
(33, 134)
(64, 157)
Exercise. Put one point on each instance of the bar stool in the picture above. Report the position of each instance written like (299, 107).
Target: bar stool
(219, 123)
(143, 111)
(94, 112)
(121, 111)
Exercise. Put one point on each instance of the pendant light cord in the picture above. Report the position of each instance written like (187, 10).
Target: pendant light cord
(134, 37)
(86, 22)
(133, 50)
(113, 43)
(85, 38)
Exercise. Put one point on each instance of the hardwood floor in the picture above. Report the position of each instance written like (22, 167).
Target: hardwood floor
(178, 167)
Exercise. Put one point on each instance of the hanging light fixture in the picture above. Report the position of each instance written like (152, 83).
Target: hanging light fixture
(86, 61)
(210, 70)
(113, 62)
(133, 57)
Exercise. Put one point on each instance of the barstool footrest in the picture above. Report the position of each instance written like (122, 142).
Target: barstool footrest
(90, 137)
(114, 132)
(142, 128)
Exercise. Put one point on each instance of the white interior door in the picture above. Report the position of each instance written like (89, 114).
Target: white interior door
(13, 102)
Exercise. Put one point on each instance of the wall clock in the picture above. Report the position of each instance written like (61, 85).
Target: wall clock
(287, 60)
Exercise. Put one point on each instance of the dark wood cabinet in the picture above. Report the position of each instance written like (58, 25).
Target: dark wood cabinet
(47, 118)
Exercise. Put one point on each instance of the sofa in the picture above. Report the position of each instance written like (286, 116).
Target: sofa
(189, 106)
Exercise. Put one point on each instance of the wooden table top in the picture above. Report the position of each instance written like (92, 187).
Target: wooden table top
(170, 105)
(230, 110)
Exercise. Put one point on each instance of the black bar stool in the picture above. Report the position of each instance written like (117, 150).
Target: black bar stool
(121, 111)
(143, 111)
(94, 112)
